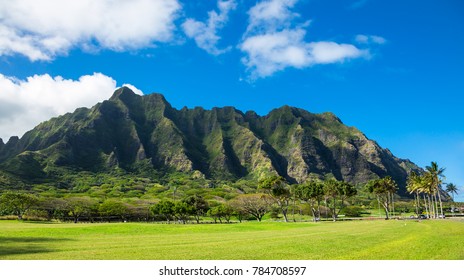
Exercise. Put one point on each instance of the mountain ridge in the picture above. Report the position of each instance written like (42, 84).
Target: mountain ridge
(130, 130)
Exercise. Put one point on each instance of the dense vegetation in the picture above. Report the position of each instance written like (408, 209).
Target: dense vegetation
(185, 199)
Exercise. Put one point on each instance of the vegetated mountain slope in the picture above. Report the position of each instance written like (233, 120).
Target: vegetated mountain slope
(132, 132)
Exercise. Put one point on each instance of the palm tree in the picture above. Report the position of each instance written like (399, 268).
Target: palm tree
(414, 186)
(436, 175)
(429, 194)
(452, 189)
(421, 185)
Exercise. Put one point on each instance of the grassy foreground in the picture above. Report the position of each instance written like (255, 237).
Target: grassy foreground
(359, 240)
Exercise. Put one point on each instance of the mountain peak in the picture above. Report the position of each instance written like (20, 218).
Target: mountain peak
(13, 140)
(122, 91)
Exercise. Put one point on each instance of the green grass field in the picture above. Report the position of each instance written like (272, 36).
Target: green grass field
(358, 240)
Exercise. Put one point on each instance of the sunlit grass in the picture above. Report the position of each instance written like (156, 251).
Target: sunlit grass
(362, 240)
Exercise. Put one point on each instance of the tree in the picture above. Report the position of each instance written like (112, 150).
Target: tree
(182, 211)
(337, 192)
(277, 188)
(17, 203)
(435, 180)
(199, 206)
(256, 205)
(238, 212)
(78, 207)
(54, 207)
(422, 185)
(164, 208)
(113, 208)
(383, 189)
(311, 192)
(452, 189)
(414, 185)
(221, 211)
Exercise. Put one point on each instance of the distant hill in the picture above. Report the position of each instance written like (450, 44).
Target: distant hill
(129, 131)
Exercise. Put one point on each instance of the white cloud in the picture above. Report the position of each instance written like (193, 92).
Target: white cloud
(270, 15)
(370, 39)
(133, 88)
(331, 52)
(272, 52)
(274, 42)
(26, 103)
(40, 30)
(205, 34)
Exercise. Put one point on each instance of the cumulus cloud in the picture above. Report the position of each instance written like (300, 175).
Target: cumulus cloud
(205, 33)
(270, 15)
(273, 42)
(26, 103)
(41, 30)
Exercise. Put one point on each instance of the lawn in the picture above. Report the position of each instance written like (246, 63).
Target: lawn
(358, 240)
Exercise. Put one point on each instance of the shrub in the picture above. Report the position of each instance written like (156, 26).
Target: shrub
(353, 211)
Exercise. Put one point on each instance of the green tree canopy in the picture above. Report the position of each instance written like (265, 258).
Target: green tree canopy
(256, 205)
(311, 192)
(164, 208)
(17, 203)
(452, 189)
(277, 188)
(198, 205)
(113, 208)
(337, 192)
(78, 207)
(383, 189)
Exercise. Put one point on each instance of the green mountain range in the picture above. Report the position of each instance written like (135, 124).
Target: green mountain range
(133, 132)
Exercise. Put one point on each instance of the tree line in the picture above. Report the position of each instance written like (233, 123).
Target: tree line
(274, 194)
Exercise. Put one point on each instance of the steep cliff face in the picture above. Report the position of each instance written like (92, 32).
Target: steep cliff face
(222, 143)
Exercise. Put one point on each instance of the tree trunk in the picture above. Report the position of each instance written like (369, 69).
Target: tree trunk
(393, 205)
(426, 206)
(293, 209)
(431, 208)
(386, 212)
(284, 213)
(434, 205)
(314, 214)
(334, 213)
(325, 202)
(385, 207)
(416, 197)
(441, 204)
(283, 208)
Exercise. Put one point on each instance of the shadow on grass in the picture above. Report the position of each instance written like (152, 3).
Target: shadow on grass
(27, 245)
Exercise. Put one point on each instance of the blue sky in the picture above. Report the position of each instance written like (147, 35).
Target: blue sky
(393, 69)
